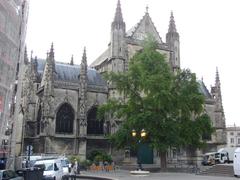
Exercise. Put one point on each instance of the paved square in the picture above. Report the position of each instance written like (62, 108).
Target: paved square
(125, 175)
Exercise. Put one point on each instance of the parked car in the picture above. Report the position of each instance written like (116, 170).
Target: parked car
(212, 158)
(52, 168)
(65, 165)
(9, 175)
(209, 158)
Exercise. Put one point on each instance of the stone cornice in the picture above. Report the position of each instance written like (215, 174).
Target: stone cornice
(163, 46)
(75, 86)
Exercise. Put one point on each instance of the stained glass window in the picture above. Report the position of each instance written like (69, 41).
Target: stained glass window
(64, 119)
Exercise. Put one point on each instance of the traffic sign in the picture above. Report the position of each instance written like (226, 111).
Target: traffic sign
(29, 151)
(29, 147)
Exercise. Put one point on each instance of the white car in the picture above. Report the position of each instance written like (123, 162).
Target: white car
(52, 168)
(9, 174)
(65, 164)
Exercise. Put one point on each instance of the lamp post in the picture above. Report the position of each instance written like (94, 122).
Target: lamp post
(142, 135)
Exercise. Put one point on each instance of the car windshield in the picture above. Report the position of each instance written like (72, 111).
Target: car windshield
(64, 163)
(48, 166)
(45, 166)
(217, 155)
(67, 161)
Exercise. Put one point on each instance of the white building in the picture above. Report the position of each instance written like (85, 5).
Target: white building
(233, 136)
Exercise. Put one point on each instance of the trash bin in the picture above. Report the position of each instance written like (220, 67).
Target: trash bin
(30, 174)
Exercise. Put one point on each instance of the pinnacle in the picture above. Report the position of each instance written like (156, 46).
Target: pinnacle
(84, 57)
(217, 76)
(118, 14)
(71, 62)
(172, 26)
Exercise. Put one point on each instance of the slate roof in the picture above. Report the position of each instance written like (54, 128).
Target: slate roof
(71, 73)
(145, 26)
(203, 90)
(105, 55)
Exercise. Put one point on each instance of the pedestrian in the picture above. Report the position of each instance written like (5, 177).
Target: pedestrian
(106, 166)
(75, 166)
(78, 168)
(72, 172)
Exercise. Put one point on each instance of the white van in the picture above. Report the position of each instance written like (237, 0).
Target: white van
(52, 168)
(65, 165)
(236, 162)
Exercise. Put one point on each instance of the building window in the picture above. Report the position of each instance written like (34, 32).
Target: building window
(39, 117)
(238, 140)
(206, 137)
(232, 140)
(94, 126)
(231, 133)
(238, 134)
(64, 119)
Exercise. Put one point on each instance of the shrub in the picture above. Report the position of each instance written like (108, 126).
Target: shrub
(96, 156)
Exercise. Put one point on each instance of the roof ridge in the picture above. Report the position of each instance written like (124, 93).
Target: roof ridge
(134, 29)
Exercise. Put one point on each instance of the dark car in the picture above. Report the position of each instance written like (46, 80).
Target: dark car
(9, 175)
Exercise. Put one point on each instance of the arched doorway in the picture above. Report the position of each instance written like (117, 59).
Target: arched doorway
(65, 119)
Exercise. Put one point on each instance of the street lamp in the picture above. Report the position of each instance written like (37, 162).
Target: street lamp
(143, 134)
(134, 133)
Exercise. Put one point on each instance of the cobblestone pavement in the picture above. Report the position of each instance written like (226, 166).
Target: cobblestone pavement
(125, 175)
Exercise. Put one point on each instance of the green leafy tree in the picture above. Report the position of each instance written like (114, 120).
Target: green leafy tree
(167, 105)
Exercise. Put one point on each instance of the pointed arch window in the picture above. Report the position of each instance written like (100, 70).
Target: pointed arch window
(94, 126)
(39, 117)
(64, 119)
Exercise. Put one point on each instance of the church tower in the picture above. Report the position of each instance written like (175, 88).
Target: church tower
(219, 117)
(47, 84)
(172, 39)
(216, 92)
(118, 45)
(29, 102)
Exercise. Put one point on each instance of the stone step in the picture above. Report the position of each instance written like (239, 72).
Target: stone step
(219, 170)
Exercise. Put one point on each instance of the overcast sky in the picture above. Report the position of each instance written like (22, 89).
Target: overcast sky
(209, 35)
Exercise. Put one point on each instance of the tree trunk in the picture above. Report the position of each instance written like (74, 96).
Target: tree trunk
(163, 161)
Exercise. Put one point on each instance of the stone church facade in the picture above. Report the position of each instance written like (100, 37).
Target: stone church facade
(59, 101)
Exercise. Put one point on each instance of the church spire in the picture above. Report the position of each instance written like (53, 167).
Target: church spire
(172, 39)
(147, 9)
(118, 14)
(84, 58)
(118, 22)
(216, 92)
(71, 62)
(51, 58)
(83, 95)
(47, 84)
(34, 65)
(217, 79)
(25, 56)
(118, 44)
(172, 26)
(48, 74)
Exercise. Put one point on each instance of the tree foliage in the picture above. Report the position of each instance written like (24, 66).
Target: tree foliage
(167, 105)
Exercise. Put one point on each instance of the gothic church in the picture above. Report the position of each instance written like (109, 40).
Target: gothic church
(59, 101)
